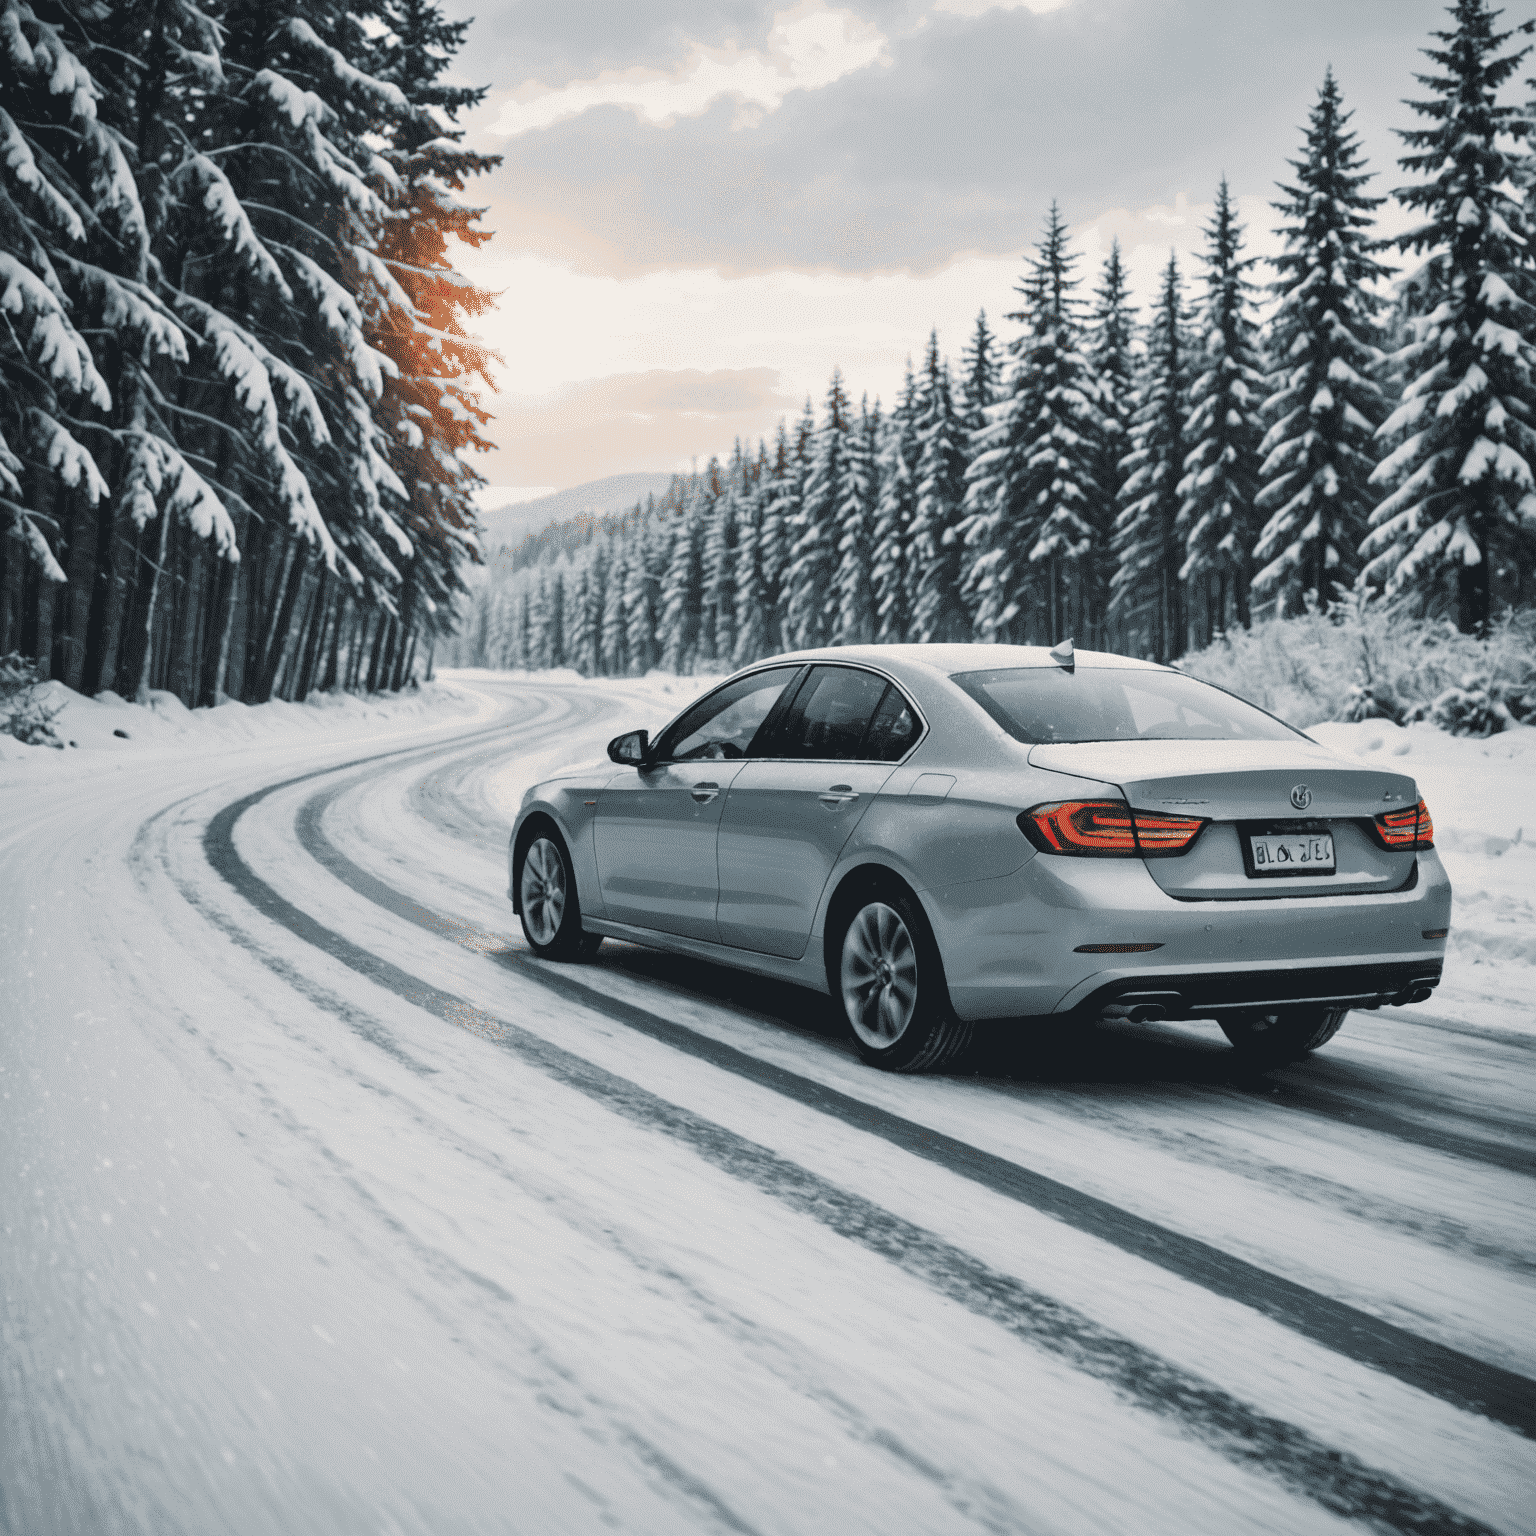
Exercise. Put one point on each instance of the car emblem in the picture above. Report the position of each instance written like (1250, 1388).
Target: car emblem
(1301, 797)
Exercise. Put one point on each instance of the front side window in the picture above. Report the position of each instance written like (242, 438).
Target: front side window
(725, 725)
(1049, 704)
(840, 715)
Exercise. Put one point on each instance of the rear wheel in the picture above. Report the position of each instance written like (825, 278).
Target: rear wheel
(890, 982)
(547, 904)
(1282, 1037)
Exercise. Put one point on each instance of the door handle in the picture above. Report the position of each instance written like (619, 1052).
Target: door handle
(704, 792)
(839, 794)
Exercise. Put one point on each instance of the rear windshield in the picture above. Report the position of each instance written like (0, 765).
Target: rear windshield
(1046, 704)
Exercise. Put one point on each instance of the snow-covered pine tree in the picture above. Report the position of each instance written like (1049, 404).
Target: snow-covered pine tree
(1222, 434)
(642, 584)
(811, 610)
(717, 629)
(429, 408)
(1146, 595)
(891, 576)
(1111, 348)
(613, 637)
(1031, 483)
(752, 604)
(89, 326)
(1465, 496)
(934, 546)
(1324, 342)
(778, 496)
(682, 591)
(979, 372)
(854, 622)
(581, 632)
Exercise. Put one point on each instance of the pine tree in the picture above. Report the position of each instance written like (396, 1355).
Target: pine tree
(813, 559)
(681, 599)
(1325, 344)
(647, 557)
(614, 653)
(1031, 484)
(1146, 595)
(1110, 348)
(979, 376)
(1223, 432)
(1462, 466)
(853, 593)
(752, 604)
(717, 639)
(891, 576)
(938, 612)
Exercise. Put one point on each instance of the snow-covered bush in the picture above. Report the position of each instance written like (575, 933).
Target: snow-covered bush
(1366, 661)
(1470, 710)
(25, 712)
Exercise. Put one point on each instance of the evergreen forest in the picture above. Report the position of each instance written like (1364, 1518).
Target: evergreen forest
(1355, 418)
(238, 406)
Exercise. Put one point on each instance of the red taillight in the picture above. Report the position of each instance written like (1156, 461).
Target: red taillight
(1407, 829)
(1107, 829)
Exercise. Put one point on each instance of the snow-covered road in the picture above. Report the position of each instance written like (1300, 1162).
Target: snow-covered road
(325, 1208)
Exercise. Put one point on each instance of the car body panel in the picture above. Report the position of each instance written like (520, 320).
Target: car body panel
(782, 830)
(654, 839)
(1009, 920)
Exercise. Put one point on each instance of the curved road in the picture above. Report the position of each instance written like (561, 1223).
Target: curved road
(326, 1208)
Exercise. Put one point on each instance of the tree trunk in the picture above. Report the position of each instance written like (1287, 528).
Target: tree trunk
(141, 693)
(82, 584)
(334, 660)
(282, 624)
(317, 617)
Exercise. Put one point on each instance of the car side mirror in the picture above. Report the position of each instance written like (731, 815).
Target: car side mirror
(632, 749)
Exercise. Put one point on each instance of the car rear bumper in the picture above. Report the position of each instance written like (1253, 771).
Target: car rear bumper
(1023, 946)
(1249, 993)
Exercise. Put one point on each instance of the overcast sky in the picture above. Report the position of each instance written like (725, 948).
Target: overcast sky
(706, 204)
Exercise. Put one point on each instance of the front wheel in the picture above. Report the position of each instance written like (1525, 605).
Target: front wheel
(547, 904)
(890, 982)
(1284, 1037)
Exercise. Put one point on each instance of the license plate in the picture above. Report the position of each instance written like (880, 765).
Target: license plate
(1292, 853)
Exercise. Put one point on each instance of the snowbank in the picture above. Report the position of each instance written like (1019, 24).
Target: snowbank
(1482, 795)
(108, 731)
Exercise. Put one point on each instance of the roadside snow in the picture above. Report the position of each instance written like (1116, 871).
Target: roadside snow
(1482, 795)
(107, 732)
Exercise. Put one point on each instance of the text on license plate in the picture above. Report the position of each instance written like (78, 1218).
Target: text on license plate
(1309, 853)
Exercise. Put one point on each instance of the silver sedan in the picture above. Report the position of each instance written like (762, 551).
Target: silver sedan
(940, 835)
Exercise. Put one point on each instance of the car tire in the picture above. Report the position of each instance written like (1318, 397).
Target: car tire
(547, 901)
(1284, 1037)
(887, 978)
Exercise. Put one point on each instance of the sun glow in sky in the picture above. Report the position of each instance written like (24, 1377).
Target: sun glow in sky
(705, 205)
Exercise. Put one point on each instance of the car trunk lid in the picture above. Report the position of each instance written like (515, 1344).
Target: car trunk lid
(1247, 789)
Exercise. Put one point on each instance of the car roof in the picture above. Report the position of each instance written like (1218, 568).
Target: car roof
(946, 659)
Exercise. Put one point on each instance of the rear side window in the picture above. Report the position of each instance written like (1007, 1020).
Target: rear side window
(892, 731)
(843, 714)
(1049, 704)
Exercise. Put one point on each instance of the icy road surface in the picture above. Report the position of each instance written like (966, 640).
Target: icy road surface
(325, 1209)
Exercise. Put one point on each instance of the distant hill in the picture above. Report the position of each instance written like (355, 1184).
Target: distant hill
(614, 493)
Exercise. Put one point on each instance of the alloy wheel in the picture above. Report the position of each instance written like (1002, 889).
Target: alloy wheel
(879, 975)
(543, 891)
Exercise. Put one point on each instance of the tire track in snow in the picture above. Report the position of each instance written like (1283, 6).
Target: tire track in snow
(1333, 1102)
(1339, 1481)
(1447, 1373)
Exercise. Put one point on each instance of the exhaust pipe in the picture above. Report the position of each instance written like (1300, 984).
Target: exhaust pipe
(1136, 1013)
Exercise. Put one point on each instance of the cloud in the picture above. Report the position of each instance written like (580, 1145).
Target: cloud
(808, 48)
(655, 420)
(981, 7)
(962, 141)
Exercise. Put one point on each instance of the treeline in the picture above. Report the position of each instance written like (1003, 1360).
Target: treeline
(236, 391)
(1142, 482)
